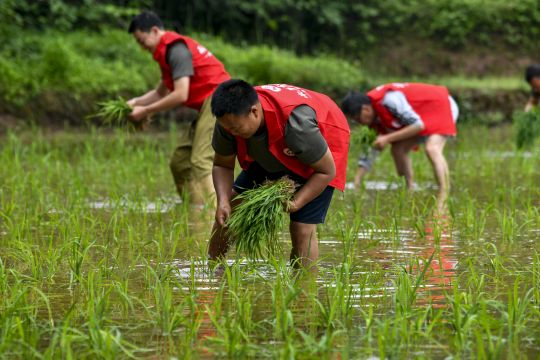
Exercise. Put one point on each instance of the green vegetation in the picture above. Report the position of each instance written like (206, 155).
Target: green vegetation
(363, 138)
(527, 128)
(99, 260)
(113, 111)
(256, 224)
(308, 26)
(66, 73)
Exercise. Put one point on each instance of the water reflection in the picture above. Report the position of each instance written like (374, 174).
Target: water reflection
(161, 205)
(389, 185)
(441, 249)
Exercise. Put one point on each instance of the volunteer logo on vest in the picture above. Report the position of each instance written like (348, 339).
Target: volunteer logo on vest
(288, 152)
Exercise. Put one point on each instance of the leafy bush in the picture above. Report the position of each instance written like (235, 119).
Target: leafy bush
(266, 65)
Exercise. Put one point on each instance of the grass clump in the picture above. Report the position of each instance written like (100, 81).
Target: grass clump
(255, 224)
(363, 138)
(113, 111)
(527, 128)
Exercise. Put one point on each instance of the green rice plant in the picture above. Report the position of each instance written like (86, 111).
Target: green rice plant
(527, 128)
(362, 138)
(407, 285)
(113, 112)
(463, 316)
(518, 313)
(256, 223)
(536, 278)
(233, 325)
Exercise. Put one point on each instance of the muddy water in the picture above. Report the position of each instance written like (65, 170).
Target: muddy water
(147, 238)
(381, 252)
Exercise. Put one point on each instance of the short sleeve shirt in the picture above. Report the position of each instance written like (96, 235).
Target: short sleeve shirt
(180, 60)
(302, 136)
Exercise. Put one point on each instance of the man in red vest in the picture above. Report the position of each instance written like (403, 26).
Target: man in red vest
(189, 76)
(404, 115)
(277, 130)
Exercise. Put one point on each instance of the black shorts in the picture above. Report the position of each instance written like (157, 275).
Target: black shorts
(313, 212)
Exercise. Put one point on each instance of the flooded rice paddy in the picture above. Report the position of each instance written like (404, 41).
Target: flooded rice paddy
(100, 259)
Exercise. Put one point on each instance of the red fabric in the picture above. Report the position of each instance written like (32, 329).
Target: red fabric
(278, 101)
(209, 72)
(430, 102)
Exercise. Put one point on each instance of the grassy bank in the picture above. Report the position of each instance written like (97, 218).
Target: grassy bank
(54, 77)
(65, 73)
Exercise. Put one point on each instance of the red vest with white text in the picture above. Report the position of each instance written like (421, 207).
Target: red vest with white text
(278, 101)
(208, 71)
(430, 102)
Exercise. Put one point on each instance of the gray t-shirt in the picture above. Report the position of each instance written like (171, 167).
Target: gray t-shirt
(302, 137)
(180, 60)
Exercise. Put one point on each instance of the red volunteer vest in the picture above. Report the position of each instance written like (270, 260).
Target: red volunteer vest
(209, 72)
(278, 101)
(430, 102)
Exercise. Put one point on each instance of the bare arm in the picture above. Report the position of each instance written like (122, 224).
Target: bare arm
(150, 97)
(325, 171)
(223, 176)
(175, 98)
(401, 134)
(531, 103)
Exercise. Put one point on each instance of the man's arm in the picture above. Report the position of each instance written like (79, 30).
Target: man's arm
(150, 97)
(325, 172)
(175, 98)
(397, 104)
(401, 134)
(180, 61)
(223, 176)
(531, 103)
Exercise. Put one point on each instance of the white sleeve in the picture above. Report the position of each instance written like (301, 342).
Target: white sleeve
(399, 107)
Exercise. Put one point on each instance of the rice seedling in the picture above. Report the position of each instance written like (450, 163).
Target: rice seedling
(113, 112)
(119, 281)
(362, 139)
(255, 224)
(527, 128)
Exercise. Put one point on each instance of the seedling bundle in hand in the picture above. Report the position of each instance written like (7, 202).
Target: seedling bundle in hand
(113, 111)
(255, 224)
(363, 138)
(527, 128)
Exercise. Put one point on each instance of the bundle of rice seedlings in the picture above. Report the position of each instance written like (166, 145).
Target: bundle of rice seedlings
(255, 224)
(527, 128)
(363, 137)
(113, 111)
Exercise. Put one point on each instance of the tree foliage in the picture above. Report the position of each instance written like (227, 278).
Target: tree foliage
(344, 27)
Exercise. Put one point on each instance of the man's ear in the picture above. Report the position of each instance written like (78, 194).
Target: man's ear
(254, 110)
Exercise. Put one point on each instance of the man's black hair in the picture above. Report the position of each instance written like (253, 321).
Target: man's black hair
(234, 97)
(353, 102)
(144, 22)
(532, 71)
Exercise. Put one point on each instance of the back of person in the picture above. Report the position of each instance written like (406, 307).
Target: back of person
(279, 100)
(430, 102)
(208, 71)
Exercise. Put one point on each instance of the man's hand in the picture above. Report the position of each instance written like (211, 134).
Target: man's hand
(132, 102)
(223, 212)
(139, 113)
(291, 206)
(381, 142)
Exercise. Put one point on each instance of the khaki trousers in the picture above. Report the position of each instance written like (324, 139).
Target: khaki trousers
(191, 162)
